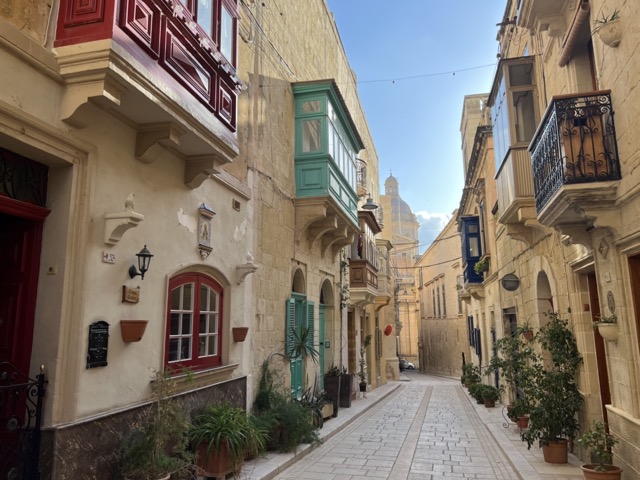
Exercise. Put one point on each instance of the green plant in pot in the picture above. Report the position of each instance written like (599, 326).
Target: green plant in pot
(490, 395)
(598, 442)
(470, 374)
(476, 390)
(157, 447)
(333, 385)
(557, 399)
(223, 436)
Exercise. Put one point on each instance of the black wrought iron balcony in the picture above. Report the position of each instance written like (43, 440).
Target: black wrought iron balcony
(575, 144)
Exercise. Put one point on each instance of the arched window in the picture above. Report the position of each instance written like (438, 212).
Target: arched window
(194, 322)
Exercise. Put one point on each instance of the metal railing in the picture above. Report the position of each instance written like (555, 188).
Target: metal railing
(575, 143)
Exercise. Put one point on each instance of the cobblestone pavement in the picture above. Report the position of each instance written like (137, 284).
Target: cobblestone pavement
(426, 428)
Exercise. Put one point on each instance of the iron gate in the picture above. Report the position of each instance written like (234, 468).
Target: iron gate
(20, 421)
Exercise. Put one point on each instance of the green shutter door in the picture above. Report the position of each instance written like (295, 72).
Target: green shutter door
(295, 319)
(321, 345)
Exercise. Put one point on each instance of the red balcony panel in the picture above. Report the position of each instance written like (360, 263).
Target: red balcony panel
(180, 60)
(84, 21)
(141, 21)
(227, 100)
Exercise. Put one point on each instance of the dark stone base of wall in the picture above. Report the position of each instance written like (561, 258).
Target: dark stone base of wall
(91, 450)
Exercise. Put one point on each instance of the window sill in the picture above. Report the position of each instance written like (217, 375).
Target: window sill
(195, 380)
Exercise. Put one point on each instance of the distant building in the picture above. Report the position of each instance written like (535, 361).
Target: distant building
(399, 217)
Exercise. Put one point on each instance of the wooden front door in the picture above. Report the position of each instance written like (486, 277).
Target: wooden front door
(20, 241)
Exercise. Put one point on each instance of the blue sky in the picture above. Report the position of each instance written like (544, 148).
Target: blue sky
(415, 122)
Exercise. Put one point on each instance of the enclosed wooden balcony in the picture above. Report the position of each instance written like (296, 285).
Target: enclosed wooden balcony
(575, 161)
(364, 262)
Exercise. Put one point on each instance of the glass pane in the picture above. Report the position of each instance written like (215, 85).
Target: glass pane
(203, 323)
(474, 247)
(187, 296)
(202, 347)
(205, 16)
(472, 228)
(213, 301)
(186, 323)
(311, 106)
(185, 349)
(213, 345)
(525, 120)
(175, 298)
(174, 329)
(213, 323)
(226, 35)
(520, 75)
(310, 135)
(173, 350)
(204, 298)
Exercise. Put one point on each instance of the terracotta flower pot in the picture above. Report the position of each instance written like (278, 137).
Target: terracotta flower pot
(523, 422)
(239, 333)
(556, 451)
(132, 330)
(590, 473)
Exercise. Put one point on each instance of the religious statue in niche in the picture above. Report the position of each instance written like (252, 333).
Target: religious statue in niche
(204, 230)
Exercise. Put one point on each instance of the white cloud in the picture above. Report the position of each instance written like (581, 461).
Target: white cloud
(431, 224)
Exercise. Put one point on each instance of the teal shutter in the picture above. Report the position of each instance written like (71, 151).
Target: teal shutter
(290, 325)
(311, 325)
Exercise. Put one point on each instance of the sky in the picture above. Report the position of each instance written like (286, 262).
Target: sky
(415, 61)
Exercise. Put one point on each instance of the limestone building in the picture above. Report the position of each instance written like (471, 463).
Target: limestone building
(404, 237)
(213, 143)
(443, 342)
(563, 109)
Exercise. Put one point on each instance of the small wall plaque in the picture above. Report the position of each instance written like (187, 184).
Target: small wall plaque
(98, 344)
(204, 230)
(130, 295)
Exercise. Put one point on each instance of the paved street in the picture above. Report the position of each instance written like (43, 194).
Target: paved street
(422, 428)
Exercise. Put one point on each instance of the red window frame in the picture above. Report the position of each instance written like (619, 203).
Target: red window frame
(179, 335)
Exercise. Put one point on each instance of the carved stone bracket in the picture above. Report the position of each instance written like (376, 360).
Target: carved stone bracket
(152, 139)
(198, 168)
(115, 224)
(243, 270)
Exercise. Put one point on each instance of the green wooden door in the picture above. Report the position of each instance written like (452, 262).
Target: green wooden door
(321, 345)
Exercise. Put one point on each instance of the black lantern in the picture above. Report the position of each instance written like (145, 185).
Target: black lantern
(144, 259)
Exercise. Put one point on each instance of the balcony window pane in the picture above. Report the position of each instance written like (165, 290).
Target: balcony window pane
(474, 247)
(226, 34)
(525, 120)
(173, 349)
(186, 323)
(205, 16)
(310, 135)
(311, 106)
(520, 75)
(175, 298)
(174, 328)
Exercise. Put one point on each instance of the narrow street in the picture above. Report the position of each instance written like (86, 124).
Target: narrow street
(425, 427)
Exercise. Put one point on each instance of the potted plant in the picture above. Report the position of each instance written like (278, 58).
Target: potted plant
(490, 394)
(223, 436)
(362, 375)
(476, 391)
(470, 374)
(599, 443)
(482, 265)
(157, 447)
(607, 326)
(557, 400)
(608, 29)
(332, 384)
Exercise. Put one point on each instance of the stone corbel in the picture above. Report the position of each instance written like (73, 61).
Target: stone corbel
(198, 168)
(79, 93)
(152, 139)
(245, 269)
(115, 224)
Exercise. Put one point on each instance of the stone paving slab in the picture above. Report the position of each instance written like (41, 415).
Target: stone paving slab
(423, 428)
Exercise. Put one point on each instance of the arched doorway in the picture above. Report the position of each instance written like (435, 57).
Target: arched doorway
(325, 328)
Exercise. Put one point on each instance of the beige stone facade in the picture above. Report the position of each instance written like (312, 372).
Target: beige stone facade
(136, 157)
(566, 197)
(443, 341)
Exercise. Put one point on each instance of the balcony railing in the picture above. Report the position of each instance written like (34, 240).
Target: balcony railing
(575, 143)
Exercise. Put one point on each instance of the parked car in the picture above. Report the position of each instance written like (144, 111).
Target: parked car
(405, 365)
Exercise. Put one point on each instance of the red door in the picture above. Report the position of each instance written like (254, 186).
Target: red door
(20, 241)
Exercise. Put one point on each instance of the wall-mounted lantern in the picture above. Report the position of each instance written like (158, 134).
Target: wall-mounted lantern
(144, 259)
